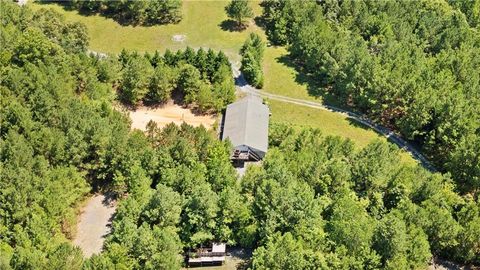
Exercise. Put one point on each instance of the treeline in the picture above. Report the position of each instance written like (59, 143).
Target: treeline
(315, 203)
(471, 9)
(203, 78)
(138, 12)
(252, 55)
(409, 65)
(59, 136)
(319, 204)
(181, 195)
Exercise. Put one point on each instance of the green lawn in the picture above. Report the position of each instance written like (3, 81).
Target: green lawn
(201, 24)
(281, 79)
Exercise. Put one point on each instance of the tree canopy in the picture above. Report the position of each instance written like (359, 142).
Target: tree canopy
(239, 10)
(314, 202)
(139, 12)
(411, 66)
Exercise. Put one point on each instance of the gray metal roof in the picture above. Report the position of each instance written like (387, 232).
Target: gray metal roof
(246, 123)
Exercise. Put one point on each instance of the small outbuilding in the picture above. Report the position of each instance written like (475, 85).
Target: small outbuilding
(245, 124)
(208, 256)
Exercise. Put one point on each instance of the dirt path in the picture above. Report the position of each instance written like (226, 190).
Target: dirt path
(167, 114)
(94, 224)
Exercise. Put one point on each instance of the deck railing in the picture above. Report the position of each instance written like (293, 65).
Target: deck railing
(206, 254)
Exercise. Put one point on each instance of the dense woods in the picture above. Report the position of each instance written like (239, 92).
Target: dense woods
(200, 78)
(59, 136)
(316, 202)
(252, 54)
(410, 65)
(139, 12)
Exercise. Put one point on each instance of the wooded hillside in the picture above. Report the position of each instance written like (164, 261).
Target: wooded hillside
(314, 203)
(411, 65)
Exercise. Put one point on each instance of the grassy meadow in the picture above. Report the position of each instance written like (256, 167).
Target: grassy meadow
(204, 24)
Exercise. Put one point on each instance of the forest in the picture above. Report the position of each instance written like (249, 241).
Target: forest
(316, 202)
(409, 65)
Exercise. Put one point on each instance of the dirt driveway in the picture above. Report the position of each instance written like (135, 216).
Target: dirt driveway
(167, 114)
(94, 224)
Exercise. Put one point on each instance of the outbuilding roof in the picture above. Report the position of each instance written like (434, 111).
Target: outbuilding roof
(246, 123)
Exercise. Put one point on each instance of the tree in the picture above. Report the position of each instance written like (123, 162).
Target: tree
(252, 70)
(162, 83)
(252, 55)
(390, 241)
(134, 80)
(350, 225)
(163, 11)
(164, 208)
(157, 248)
(239, 10)
(285, 252)
(189, 83)
(198, 217)
(75, 38)
(33, 47)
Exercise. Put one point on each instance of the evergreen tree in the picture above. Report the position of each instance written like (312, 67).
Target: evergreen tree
(239, 10)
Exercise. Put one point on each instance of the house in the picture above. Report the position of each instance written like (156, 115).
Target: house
(245, 124)
(208, 256)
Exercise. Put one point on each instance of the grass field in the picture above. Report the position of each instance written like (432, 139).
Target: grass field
(202, 26)
(280, 78)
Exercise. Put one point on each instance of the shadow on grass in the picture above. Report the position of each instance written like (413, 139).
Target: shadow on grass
(260, 22)
(231, 26)
(121, 18)
(316, 87)
(355, 123)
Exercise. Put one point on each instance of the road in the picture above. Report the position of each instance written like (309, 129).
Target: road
(243, 86)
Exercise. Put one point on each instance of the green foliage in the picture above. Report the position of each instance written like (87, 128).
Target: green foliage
(190, 83)
(162, 83)
(164, 208)
(204, 80)
(313, 203)
(285, 252)
(410, 66)
(135, 79)
(239, 10)
(308, 204)
(471, 9)
(252, 54)
(134, 12)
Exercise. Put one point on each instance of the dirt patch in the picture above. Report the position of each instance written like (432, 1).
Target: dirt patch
(94, 224)
(179, 38)
(167, 114)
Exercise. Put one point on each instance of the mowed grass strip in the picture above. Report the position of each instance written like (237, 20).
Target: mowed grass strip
(203, 25)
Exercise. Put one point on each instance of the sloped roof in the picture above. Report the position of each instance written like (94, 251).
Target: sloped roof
(246, 123)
